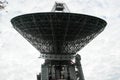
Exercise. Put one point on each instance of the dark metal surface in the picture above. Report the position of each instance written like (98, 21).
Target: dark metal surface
(58, 33)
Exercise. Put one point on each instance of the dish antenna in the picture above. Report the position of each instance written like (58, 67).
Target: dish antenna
(59, 35)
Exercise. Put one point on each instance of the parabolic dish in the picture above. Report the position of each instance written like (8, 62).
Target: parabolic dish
(58, 33)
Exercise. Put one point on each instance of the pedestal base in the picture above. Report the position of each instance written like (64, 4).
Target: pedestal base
(61, 70)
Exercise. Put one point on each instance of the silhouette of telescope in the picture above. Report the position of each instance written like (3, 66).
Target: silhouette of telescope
(58, 36)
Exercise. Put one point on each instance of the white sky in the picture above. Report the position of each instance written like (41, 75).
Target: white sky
(100, 58)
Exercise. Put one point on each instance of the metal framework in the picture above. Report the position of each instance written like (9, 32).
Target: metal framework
(58, 33)
(58, 36)
(60, 7)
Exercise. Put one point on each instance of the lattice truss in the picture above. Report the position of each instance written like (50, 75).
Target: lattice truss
(58, 33)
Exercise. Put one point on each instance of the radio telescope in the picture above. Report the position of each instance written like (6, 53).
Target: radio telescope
(58, 35)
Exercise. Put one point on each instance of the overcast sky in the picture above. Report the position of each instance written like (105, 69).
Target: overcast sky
(100, 58)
